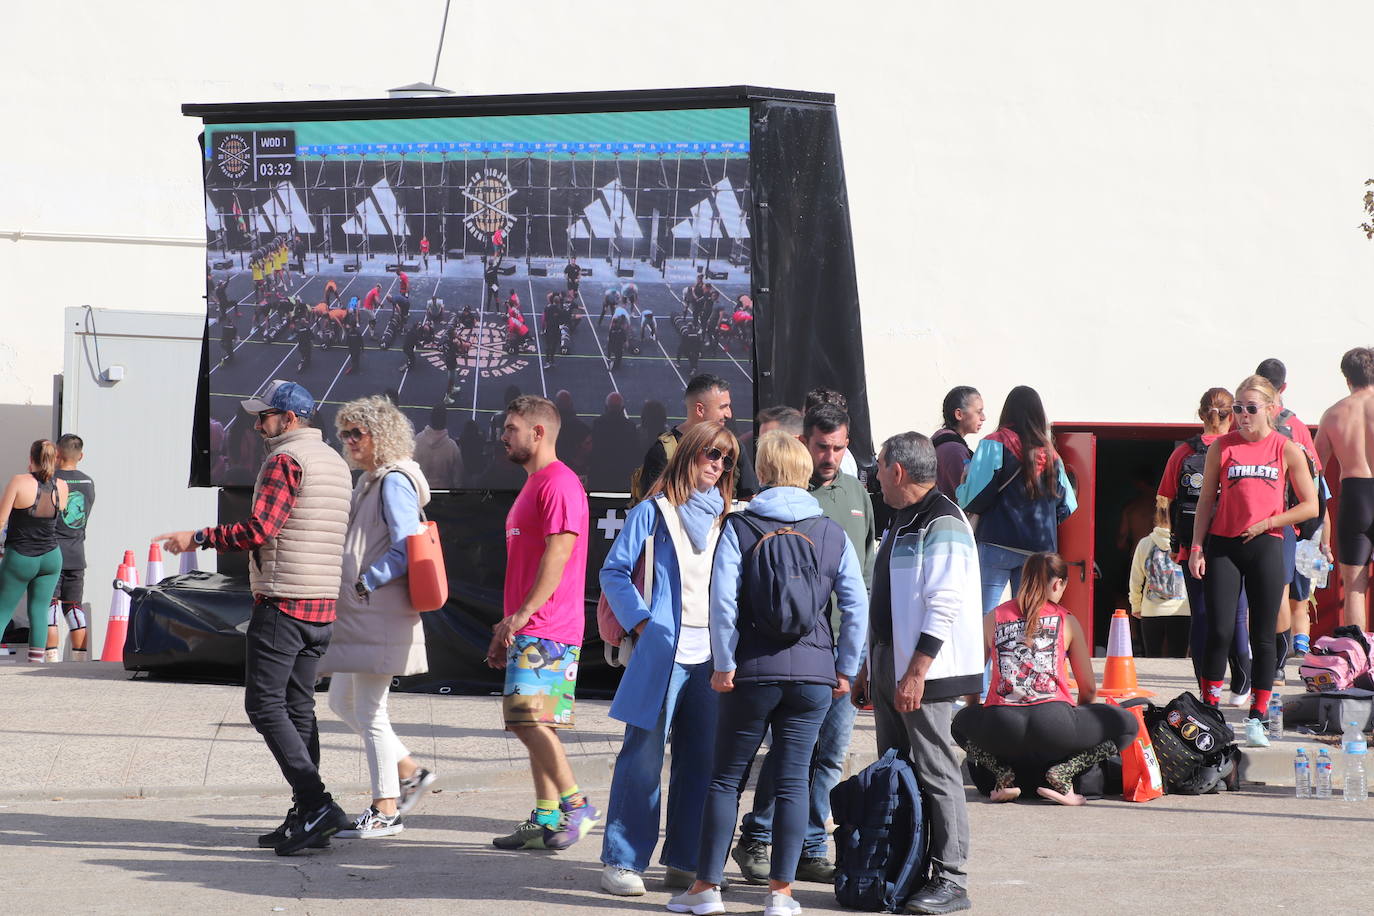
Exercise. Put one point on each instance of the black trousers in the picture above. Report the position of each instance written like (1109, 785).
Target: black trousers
(1256, 566)
(1042, 734)
(282, 655)
(1159, 632)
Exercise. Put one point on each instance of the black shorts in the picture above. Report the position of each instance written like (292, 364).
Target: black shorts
(1355, 521)
(71, 587)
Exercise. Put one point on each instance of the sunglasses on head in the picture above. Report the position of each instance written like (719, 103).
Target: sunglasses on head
(1245, 408)
(714, 454)
(352, 435)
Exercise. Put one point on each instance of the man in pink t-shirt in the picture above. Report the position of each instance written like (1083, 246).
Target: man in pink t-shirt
(539, 640)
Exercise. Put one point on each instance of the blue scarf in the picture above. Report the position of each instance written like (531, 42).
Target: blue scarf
(698, 514)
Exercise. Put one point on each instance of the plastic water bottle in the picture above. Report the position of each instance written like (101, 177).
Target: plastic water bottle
(1352, 742)
(1311, 562)
(1323, 774)
(1302, 774)
(1275, 716)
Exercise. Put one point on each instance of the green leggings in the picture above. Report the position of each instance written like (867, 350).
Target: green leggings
(39, 575)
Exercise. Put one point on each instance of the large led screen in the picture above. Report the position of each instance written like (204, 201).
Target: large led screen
(600, 260)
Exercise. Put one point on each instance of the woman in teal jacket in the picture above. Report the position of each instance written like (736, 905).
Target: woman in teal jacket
(666, 687)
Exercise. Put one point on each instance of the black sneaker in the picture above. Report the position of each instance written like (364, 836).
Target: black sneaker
(940, 895)
(816, 868)
(752, 858)
(314, 828)
(270, 840)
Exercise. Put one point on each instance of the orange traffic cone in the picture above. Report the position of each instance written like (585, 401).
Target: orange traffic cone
(117, 628)
(188, 562)
(130, 562)
(154, 564)
(1118, 680)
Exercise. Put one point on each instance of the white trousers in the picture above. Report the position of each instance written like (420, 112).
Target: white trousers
(360, 701)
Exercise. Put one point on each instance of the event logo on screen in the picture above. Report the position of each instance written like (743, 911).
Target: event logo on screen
(233, 156)
(488, 193)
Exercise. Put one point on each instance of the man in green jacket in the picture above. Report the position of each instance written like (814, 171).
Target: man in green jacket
(825, 433)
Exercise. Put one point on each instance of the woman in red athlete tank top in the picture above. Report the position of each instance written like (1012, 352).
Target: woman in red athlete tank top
(1029, 729)
(1238, 540)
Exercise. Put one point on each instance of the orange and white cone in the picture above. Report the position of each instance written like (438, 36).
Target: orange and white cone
(188, 561)
(130, 562)
(117, 627)
(1119, 680)
(154, 575)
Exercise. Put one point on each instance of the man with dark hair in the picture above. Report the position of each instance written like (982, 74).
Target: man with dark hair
(539, 640)
(1293, 614)
(573, 273)
(437, 454)
(825, 433)
(614, 443)
(925, 649)
(707, 400)
(71, 538)
(823, 395)
(296, 536)
(784, 418)
(1346, 432)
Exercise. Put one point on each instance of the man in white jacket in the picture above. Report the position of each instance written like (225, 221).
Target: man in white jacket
(437, 454)
(925, 651)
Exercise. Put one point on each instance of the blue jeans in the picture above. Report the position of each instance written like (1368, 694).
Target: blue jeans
(632, 816)
(998, 568)
(794, 711)
(827, 766)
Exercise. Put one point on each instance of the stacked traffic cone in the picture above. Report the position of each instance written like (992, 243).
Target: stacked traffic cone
(1118, 680)
(117, 628)
(129, 561)
(154, 575)
(188, 561)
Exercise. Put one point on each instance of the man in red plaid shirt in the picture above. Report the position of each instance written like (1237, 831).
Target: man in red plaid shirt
(295, 535)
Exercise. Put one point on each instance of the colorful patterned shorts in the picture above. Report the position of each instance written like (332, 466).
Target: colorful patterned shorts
(541, 676)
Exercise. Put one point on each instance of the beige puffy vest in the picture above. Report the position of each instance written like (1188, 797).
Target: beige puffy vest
(305, 559)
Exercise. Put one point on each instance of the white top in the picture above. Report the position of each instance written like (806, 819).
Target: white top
(694, 569)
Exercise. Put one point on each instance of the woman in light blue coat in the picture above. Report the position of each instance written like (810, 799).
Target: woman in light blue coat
(666, 688)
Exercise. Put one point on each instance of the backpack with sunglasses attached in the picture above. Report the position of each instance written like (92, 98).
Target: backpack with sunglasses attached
(789, 571)
(1183, 510)
(1195, 746)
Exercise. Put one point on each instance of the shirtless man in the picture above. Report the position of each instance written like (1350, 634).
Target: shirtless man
(1346, 432)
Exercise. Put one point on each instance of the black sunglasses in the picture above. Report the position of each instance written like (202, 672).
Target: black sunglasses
(270, 413)
(1246, 408)
(714, 454)
(352, 435)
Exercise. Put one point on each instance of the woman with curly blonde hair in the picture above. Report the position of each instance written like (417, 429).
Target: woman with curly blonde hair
(378, 633)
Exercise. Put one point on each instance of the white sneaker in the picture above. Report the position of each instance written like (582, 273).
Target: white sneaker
(52, 656)
(622, 882)
(781, 905)
(413, 789)
(1239, 700)
(372, 823)
(706, 903)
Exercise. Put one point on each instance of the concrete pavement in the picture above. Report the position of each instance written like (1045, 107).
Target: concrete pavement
(143, 796)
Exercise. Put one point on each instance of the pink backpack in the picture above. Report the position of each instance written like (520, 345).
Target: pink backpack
(1338, 661)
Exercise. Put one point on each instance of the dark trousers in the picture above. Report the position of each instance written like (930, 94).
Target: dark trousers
(1239, 654)
(282, 654)
(1165, 634)
(1257, 566)
(794, 711)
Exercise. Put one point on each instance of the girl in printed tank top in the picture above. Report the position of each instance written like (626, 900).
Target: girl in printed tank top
(1238, 540)
(1029, 729)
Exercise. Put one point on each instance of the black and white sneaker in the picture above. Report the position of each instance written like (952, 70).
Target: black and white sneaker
(372, 823)
(414, 788)
(313, 826)
(270, 840)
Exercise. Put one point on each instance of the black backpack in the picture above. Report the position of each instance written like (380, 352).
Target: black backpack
(1195, 746)
(1183, 510)
(788, 573)
(880, 836)
(1308, 529)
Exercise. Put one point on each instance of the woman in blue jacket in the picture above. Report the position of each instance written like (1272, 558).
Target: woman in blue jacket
(667, 684)
(1017, 487)
(765, 682)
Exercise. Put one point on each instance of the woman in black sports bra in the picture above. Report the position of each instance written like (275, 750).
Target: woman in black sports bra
(32, 558)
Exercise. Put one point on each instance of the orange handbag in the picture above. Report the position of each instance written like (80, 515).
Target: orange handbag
(425, 570)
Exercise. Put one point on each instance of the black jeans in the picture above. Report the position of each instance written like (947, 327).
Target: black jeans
(1257, 566)
(279, 695)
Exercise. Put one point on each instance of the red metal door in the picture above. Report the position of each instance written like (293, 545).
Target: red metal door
(1077, 533)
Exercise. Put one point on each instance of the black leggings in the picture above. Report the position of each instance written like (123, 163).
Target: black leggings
(1258, 566)
(1157, 632)
(1042, 734)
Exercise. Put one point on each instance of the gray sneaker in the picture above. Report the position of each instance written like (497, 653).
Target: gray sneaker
(622, 882)
(528, 835)
(752, 858)
(816, 868)
(679, 879)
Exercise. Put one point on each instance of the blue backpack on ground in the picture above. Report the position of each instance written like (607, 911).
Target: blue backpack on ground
(789, 572)
(880, 836)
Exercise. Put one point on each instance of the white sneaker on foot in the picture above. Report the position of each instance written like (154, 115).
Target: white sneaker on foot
(1239, 700)
(622, 882)
(706, 903)
(781, 905)
(372, 823)
(413, 789)
(52, 656)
